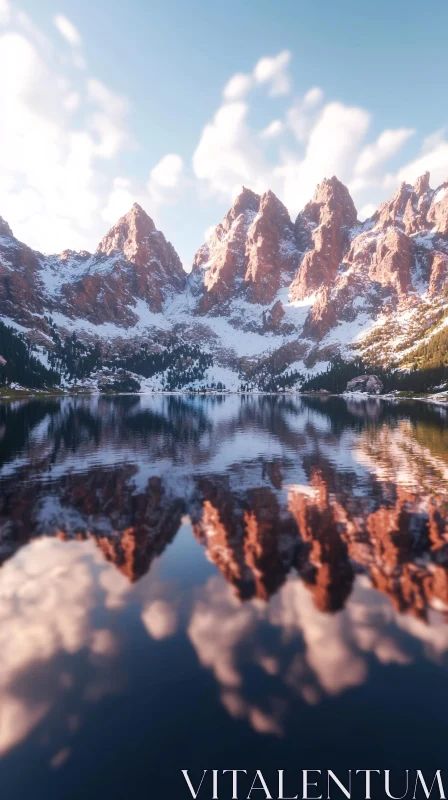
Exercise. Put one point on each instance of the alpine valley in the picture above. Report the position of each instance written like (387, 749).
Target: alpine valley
(270, 303)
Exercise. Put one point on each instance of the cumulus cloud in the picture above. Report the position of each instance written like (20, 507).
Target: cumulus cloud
(208, 232)
(47, 603)
(5, 12)
(159, 619)
(227, 156)
(272, 130)
(388, 143)
(108, 122)
(238, 86)
(313, 96)
(434, 159)
(270, 71)
(366, 211)
(68, 30)
(44, 165)
(230, 153)
(166, 179)
(119, 200)
(168, 171)
(301, 116)
(273, 72)
(53, 187)
(330, 140)
(323, 654)
(337, 133)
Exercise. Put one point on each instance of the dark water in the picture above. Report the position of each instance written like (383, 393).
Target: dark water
(240, 583)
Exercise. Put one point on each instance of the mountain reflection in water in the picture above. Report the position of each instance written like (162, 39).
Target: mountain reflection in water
(324, 529)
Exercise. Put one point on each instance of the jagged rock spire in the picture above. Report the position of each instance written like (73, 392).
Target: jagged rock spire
(251, 253)
(128, 233)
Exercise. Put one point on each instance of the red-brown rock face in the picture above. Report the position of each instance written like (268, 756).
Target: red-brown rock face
(393, 260)
(323, 226)
(252, 253)
(438, 274)
(249, 540)
(157, 269)
(219, 265)
(414, 217)
(21, 292)
(415, 208)
(271, 251)
(326, 569)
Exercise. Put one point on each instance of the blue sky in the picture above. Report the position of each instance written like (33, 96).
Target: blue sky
(110, 102)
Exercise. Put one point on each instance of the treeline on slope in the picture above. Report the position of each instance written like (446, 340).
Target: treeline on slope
(265, 382)
(427, 373)
(71, 357)
(180, 363)
(22, 366)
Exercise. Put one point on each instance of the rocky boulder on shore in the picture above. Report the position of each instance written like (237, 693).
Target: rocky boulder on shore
(370, 384)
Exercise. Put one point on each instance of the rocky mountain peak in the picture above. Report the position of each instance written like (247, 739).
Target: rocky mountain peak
(141, 265)
(421, 185)
(5, 230)
(391, 212)
(271, 251)
(252, 252)
(323, 229)
(333, 198)
(128, 234)
(246, 200)
(270, 204)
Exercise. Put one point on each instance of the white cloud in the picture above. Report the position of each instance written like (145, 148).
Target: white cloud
(159, 619)
(270, 71)
(119, 201)
(71, 101)
(238, 86)
(435, 160)
(5, 12)
(226, 156)
(273, 72)
(334, 138)
(313, 96)
(274, 129)
(52, 185)
(301, 117)
(366, 211)
(166, 180)
(326, 654)
(388, 143)
(109, 120)
(168, 171)
(330, 141)
(47, 603)
(68, 30)
(208, 232)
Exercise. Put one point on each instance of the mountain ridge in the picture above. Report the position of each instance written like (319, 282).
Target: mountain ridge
(264, 293)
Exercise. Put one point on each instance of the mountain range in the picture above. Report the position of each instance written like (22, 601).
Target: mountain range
(268, 302)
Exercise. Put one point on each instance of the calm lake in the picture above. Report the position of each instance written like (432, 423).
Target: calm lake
(231, 582)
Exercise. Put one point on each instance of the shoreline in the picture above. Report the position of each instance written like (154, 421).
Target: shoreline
(23, 393)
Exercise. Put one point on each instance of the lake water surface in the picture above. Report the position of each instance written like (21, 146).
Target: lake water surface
(225, 582)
